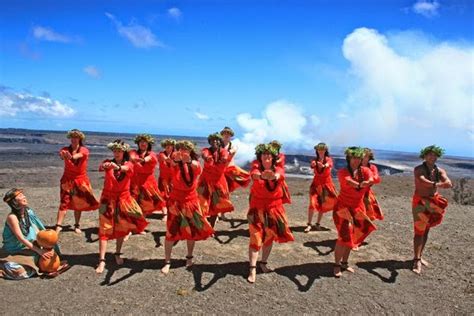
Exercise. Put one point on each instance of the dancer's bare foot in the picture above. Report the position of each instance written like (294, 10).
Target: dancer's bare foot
(127, 237)
(118, 259)
(58, 228)
(265, 268)
(416, 266)
(356, 248)
(77, 229)
(345, 267)
(424, 262)
(308, 228)
(189, 262)
(318, 227)
(166, 268)
(100, 267)
(337, 270)
(252, 274)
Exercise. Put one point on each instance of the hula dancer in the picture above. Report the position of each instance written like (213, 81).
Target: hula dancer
(212, 188)
(166, 171)
(351, 222)
(119, 213)
(372, 207)
(235, 176)
(322, 193)
(186, 220)
(280, 162)
(266, 215)
(76, 190)
(428, 205)
(144, 186)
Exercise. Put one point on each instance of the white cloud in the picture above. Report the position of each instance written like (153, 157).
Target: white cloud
(433, 87)
(426, 8)
(47, 34)
(201, 116)
(14, 103)
(175, 13)
(282, 121)
(138, 35)
(92, 71)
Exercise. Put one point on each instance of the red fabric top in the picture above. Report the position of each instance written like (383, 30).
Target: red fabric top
(375, 174)
(214, 169)
(147, 167)
(181, 191)
(116, 182)
(322, 176)
(281, 160)
(349, 196)
(74, 168)
(260, 195)
(166, 170)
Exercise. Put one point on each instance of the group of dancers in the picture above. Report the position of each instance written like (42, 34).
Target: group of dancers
(191, 197)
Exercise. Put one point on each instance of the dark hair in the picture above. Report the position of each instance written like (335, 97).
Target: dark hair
(359, 170)
(148, 149)
(16, 210)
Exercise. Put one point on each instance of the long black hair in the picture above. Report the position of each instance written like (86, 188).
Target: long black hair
(359, 170)
(24, 222)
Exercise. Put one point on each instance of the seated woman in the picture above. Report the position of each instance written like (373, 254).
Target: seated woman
(20, 254)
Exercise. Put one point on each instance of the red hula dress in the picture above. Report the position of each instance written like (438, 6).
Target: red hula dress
(144, 187)
(119, 213)
(266, 216)
(322, 192)
(166, 175)
(186, 220)
(351, 222)
(372, 207)
(212, 188)
(76, 190)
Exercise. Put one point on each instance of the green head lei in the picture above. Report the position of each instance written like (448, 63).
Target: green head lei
(369, 152)
(263, 148)
(227, 130)
(118, 145)
(321, 146)
(438, 151)
(354, 151)
(146, 137)
(276, 145)
(167, 142)
(213, 137)
(186, 144)
(76, 133)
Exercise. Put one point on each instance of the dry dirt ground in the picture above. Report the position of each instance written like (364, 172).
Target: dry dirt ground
(302, 282)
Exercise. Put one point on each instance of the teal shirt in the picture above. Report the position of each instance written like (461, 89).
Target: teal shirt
(11, 244)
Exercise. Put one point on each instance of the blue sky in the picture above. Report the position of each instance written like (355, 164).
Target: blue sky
(386, 74)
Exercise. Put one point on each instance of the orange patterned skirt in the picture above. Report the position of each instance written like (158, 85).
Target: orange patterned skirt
(236, 177)
(214, 198)
(322, 197)
(164, 185)
(267, 225)
(148, 196)
(186, 221)
(352, 225)
(428, 212)
(119, 216)
(372, 207)
(76, 194)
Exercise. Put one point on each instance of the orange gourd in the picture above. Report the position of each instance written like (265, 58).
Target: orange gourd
(47, 238)
(49, 265)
